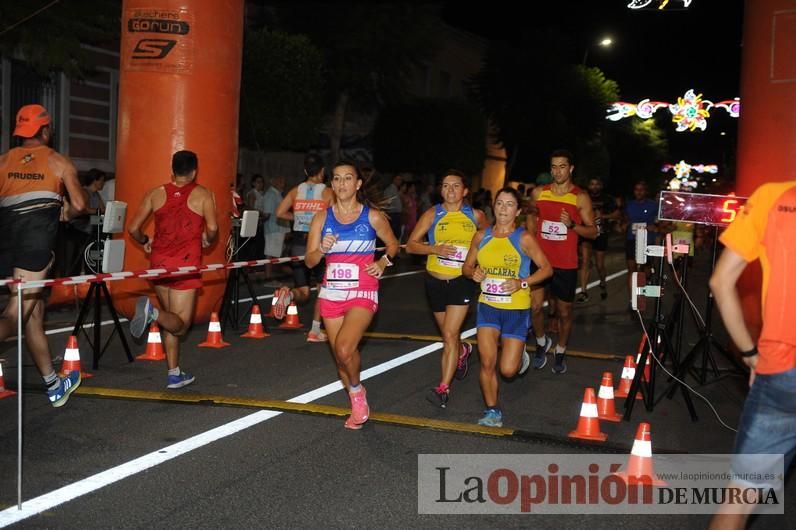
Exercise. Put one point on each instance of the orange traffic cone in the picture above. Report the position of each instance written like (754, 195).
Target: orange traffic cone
(271, 309)
(72, 359)
(605, 399)
(214, 338)
(3, 392)
(589, 423)
(255, 325)
(639, 468)
(628, 373)
(154, 345)
(292, 318)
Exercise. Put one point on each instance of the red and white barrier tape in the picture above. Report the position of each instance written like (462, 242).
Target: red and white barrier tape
(147, 273)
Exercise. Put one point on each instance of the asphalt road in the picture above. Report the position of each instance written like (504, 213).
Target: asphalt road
(239, 449)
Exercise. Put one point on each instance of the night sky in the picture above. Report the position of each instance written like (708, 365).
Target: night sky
(657, 54)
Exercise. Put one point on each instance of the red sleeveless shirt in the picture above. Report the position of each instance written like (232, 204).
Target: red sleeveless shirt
(559, 244)
(178, 237)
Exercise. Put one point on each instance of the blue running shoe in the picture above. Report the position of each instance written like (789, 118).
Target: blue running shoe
(493, 417)
(144, 314)
(179, 381)
(540, 357)
(560, 365)
(66, 385)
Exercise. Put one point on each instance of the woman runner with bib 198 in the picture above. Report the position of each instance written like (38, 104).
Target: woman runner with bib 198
(500, 260)
(450, 227)
(345, 235)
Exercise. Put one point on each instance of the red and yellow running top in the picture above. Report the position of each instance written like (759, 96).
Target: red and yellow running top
(559, 243)
(765, 230)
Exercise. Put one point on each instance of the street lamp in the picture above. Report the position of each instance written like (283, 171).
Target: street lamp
(605, 42)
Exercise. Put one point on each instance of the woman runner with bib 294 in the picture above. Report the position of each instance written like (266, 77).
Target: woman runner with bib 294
(345, 235)
(500, 260)
(450, 227)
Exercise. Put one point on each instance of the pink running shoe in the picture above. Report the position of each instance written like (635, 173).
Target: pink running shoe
(463, 362)
(317, 337)
(360, 412)
(282, 297)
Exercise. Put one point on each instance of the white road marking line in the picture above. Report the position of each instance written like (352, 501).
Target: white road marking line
(87, 485)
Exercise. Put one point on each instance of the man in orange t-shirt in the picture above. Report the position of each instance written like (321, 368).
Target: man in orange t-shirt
(764, 230)
(32, 181)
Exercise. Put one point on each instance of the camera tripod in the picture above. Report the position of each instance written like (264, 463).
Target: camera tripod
(659, 345)
(707, 342)
(230, 305)
(96, 292)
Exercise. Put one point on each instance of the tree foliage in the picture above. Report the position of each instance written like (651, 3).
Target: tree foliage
(538, 101)
(638, 149)
(430, 136)
(50, 40)
(281, 91)
(371, 51)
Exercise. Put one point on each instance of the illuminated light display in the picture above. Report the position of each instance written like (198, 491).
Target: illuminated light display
(689, 113)
(641, 4)
(701, 208)
(682, 169)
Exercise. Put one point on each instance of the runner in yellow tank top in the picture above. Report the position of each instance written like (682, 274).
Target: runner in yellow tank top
(449, 228)
(500, 259)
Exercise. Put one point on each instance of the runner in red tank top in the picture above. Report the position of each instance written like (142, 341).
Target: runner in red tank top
(562, 212)
(178, 237)
(185, 223)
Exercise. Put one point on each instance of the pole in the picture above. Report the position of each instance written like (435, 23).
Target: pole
(20, 288)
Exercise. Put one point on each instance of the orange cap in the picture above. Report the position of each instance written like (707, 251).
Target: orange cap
(30, 119)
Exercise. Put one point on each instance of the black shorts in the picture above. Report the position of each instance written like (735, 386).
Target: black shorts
(600, 243)
(630, 249)
(562, 284)
(302, 275)
(442, 293)
(28, 240)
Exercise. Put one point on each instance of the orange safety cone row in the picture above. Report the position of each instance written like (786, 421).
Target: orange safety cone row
(71, 361)
(605, 399)
(589, 422)
(639, 468)
(154, 345)
(628, 373)
(3, 392)
(255, 325)
(292, 318)
(214, 338)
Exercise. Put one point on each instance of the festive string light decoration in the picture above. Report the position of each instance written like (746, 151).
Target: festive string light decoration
(682, 173)
(689, 113)
(682, 169)
(641, 4)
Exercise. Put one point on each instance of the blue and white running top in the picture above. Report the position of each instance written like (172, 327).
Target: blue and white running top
(345, 277)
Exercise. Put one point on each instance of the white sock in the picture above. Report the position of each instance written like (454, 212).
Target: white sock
(174, 371)
(353, 389)
(316, 327)
(560, 349)
(51, 381)
(541, 341)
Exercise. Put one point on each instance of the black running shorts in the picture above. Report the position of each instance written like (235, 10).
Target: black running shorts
(442, 293)
(27, 241)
